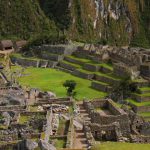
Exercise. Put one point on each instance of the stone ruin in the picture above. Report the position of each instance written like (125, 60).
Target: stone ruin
(110, 123)
(27, 114)
(127, 60)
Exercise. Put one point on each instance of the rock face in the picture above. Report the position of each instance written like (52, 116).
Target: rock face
(116, 21)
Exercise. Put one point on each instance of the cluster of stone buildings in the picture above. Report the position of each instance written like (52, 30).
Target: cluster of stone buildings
(110, 123)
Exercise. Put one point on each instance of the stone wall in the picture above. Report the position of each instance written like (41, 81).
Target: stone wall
(12, 108)
(26, 62)
(109, 132)
(145, 69)
(58, 49)
(91, 67)
(140, 98)
(70, 135)
(118, 115)
(51, 57)
(140, 139)
(140, 109)
(108, 80)
(101, 87)
(74, 61)
(84, 75)
(67, 66)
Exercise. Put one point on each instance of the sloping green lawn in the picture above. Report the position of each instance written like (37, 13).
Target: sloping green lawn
(52, 80)
(121, 146)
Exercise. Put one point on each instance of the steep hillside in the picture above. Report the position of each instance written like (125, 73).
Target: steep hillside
(23, 19)
(116, 22)
(119, 22)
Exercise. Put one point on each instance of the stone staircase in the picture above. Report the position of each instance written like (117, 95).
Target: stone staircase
(80, 138)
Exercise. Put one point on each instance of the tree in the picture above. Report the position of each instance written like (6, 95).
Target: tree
(70, 85)
(123, 90)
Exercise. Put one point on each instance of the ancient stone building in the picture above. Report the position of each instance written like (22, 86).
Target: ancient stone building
(6, 45)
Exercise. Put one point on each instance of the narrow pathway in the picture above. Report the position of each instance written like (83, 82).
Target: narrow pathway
(80, 141)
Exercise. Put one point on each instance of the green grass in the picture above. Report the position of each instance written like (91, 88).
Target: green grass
(110, 76)
(106, 65)
(145, 114)
(85, 71)
(60, 143)
(20, 56)
(103, 83)
(84, 60)
(142, 95)
(138, 103)
(72, 64)
(23, 119)
(121, 146)
(52, 80)
(145, 89)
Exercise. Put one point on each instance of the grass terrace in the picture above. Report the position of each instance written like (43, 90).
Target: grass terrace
(142, 95)
(52, 80)
(84, 60)
(145, 114)
(138, 103)
(72, 64)
(144, 89)
(20, 56)
(107, 65)
(110, 75)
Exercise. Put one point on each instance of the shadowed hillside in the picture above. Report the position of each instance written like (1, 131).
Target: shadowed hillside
(116, 22)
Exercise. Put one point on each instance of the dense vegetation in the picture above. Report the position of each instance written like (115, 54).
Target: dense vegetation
(26, 19)
(23, 19)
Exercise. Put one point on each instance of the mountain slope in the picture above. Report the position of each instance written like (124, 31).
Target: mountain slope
(22, 19)
(116, 22)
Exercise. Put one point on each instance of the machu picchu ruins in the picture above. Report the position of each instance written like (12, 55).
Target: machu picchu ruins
(74, 75)
(35, 119)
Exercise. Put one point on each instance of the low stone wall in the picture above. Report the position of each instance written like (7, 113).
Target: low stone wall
(140, 139)
(105, 70)
(70, 135)
(83, 74)
(52, 57)
(74, 61)
(67, 66)
(67, 101)
(106, 79)
(82, 53)
(91, 67)
(139, 98)
(28, 113)
(100, 87)
(88, 134)
(33, 63)
(24, 62)
(58, 49)
(140, 109)
(12, 108)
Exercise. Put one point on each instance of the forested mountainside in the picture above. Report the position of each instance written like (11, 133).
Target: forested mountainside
(116, 22)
